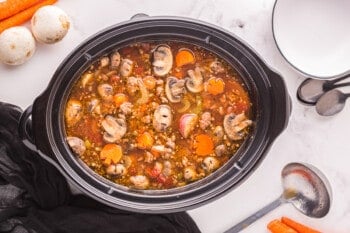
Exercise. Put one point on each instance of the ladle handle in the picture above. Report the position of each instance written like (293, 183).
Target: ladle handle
(257, 215)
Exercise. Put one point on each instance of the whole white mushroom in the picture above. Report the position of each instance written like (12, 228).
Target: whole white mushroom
(17, 45)
(50, 24)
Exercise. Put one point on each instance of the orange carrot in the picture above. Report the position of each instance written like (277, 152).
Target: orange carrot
(111, 153)
(276, 226)
(23, 16)
(184, 57)
(215, 86)
(150, 82)
(297, 226)
(12, 7)
(204, 144)
(119, 99)
(145, 141)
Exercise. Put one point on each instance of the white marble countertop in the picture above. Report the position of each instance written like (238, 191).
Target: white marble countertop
(323, 142)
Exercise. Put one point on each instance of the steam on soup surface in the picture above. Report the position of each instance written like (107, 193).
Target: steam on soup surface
(157, 115)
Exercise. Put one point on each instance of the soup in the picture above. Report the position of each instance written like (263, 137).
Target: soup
(157, 116)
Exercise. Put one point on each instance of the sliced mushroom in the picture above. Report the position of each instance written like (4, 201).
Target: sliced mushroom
(235, 124)
(219, 132)
(162, 118)
(174, 89)
(216, 67)
(77, 145)
(194, 82)
(210, 163)
(116, 169)
(104, 61)
(126, 108)
(126, 67)
(162, 60)
(94, 106)
(132, 85)
(115, 60)
(140, 181)
(127, 161)
(144, 92)
(114, 128)
(205, 120)
(187, 124)
(86, 79)
(105, 91)
(190, 173)
(220, 150)
(74, 112)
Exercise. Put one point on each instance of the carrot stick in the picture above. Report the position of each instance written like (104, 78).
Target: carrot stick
(297, 226)
(12, 7)
(276, 226)
(23, 16)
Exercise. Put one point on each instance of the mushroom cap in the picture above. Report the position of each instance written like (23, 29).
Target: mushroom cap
(77, 145)
(162, 118)
(162, 60)
(17, 45)
(174, 89)
(50, 24)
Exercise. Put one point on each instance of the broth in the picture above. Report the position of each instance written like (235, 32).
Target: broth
(157, 116)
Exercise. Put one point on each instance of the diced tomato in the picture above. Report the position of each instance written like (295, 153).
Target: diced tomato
(89, 128)
(115, 78)
(132, 171)
(138, 70)
(166, 181)
(240, 107)
(146, 47)
(152, 173)
(126, 51)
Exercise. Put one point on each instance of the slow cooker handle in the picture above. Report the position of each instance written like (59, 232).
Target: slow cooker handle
(25, 129)
(25, 134)
(282, 102)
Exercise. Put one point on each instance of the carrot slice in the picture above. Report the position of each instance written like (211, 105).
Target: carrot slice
(145, 141)
(23, 16)
(119, 99)
(12, 7)
(150, 82)
(298, 226)
(276, 226)
(204, 144)
(215, 86)
(184, 57)
(111, 153)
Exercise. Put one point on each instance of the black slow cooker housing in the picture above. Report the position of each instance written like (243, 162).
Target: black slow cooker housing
(42, 125)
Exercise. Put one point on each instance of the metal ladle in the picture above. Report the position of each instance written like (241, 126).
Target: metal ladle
(310, 90)
(331, 102)
(304, 186)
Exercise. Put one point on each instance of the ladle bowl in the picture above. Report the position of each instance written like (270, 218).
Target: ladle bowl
(305, 187)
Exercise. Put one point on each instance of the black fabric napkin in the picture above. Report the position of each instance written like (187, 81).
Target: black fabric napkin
(35, 198)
